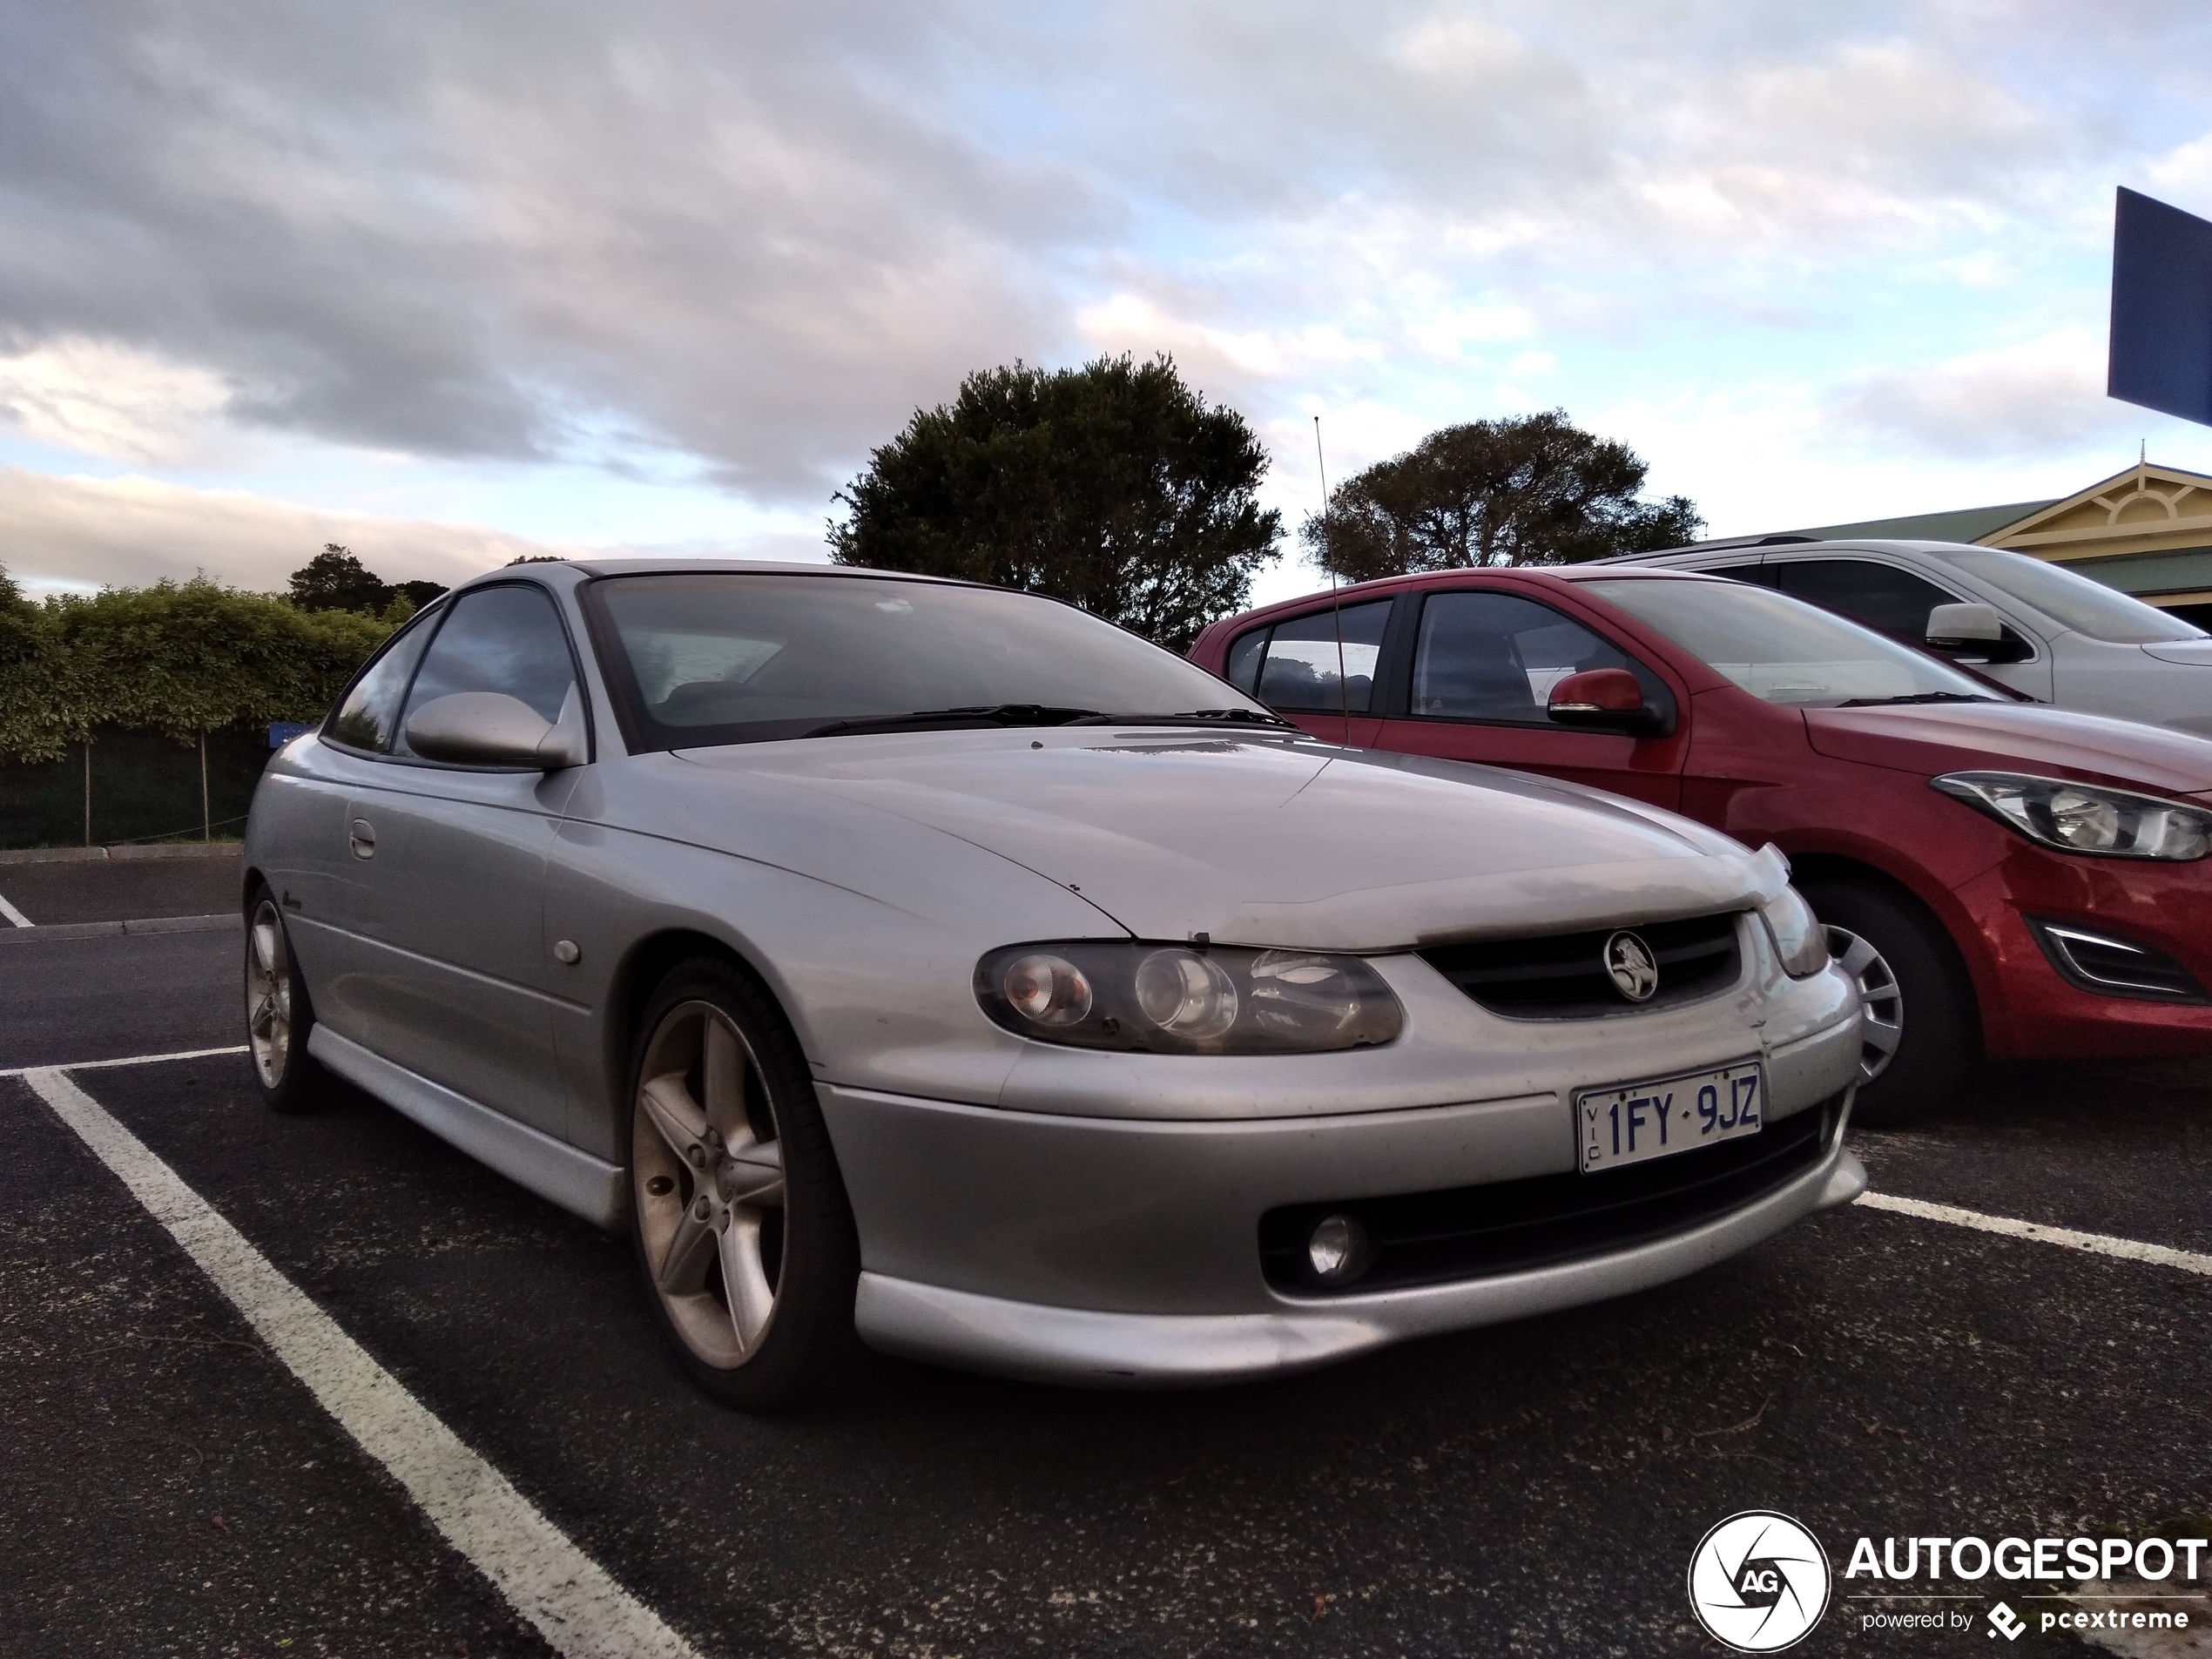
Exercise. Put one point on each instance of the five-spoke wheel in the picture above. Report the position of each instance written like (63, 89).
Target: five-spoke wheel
(742, 1231)
(278, 1015)
(708, 1180)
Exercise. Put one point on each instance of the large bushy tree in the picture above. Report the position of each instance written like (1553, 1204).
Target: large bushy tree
(1526, 489)
(1113, 486)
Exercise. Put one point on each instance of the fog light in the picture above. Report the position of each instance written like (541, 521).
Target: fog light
(1339, 1250)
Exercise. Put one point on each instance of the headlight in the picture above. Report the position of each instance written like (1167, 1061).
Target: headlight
(1176, 999)
(2085, 818)
(1799, 940)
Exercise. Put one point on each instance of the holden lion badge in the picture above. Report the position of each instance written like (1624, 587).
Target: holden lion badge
(1758, 1582)
(1632, 968)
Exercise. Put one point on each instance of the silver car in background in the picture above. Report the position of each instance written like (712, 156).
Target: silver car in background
(2049, 633)
(940, 964)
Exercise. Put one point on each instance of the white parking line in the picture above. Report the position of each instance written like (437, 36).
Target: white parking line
(2128, 1250)
(572, 1601)
(131, 1060)
(13, 916)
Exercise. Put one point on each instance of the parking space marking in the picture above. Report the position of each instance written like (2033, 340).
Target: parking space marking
(2097, 1244)
(14, 917)
(128, 1060)
(575, 1604)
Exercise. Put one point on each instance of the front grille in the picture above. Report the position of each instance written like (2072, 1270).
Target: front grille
(1510, 1226)
(2096, 961)
(1562, 976)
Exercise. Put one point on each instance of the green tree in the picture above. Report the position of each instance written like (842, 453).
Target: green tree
(1527, 489)
(335, 580)
(180, 660)
(40, 698)
(1114, 486)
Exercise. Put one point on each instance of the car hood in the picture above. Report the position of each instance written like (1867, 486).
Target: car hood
(2196, 652)
(1275, 841)
(1936, 738)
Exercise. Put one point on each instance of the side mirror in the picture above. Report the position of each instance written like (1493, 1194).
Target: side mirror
(491, 729)
(1603, 700)
(1957, 625)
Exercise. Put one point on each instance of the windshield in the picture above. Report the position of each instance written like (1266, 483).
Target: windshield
(2072, 600)
(1782, 648)
(727, 657)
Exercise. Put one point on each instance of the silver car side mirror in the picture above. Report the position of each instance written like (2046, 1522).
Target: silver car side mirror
(491, 729)
(1964, 625)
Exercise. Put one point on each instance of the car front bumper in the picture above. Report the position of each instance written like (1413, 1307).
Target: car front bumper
(2029, 1012)
(1117, 1350)
(1126, 1251)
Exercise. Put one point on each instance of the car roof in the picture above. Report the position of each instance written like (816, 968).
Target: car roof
(567, 574)
(677, 565)
(1799, 545)
(1383, 587)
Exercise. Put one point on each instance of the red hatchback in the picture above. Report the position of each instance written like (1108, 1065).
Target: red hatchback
(2003, 878)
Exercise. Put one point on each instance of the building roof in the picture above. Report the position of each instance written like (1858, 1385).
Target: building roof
(1960, 524)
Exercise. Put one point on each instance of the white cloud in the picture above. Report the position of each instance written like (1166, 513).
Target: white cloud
(110, 399)
(738, 244)
(2185, 173)
(2025, 401)
(79, 534)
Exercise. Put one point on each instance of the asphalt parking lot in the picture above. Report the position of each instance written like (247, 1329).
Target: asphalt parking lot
(1538, 1488)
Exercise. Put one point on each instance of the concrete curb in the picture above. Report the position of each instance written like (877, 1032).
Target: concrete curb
(164, 850)
(225, 922)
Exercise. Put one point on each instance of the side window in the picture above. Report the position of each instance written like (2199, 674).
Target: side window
(1245, 653)
(1881, 596)
(1495, 657)
(368, 716)
(1749, 570)
(504, 639)
(1293, 665)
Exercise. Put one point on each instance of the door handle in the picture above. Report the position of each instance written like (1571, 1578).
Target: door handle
(362, 837)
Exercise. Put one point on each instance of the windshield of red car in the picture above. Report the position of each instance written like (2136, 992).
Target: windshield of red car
(745, 657)
(1782, 648)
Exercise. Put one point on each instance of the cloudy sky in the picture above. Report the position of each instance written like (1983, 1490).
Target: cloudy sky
(446, 283)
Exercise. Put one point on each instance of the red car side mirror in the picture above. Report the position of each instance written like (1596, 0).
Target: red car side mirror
(1603, 700)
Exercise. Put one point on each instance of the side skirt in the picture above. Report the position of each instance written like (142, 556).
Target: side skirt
(555, 1171)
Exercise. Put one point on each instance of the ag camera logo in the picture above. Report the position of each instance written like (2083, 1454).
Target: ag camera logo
(1758, 1581)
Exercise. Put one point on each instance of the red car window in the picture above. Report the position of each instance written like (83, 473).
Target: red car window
(1293, 665)
(1495, 656)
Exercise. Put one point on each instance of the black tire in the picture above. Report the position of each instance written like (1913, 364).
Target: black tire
(698, 1205)
(288, 1077)
(1916, 986)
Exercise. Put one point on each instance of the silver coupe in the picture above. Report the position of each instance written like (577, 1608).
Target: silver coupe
(939, 965)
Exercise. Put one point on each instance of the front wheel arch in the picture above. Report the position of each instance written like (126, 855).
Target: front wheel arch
(1858, 899)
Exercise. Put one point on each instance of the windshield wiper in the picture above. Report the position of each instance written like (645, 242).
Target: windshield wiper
(981, 714)
(1917, 696)
(1193, 716)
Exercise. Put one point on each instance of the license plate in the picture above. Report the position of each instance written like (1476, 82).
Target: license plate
(1634, 1122)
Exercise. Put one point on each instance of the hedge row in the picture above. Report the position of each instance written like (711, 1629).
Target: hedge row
(178, 659)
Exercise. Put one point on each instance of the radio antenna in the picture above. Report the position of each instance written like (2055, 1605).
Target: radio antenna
(1336, 610)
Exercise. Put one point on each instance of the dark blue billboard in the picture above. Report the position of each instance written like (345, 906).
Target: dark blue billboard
(2161, 309)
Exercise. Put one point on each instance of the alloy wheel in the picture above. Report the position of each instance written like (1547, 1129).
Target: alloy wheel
(707, 1177)
(268, 994)
(1883, 1027)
